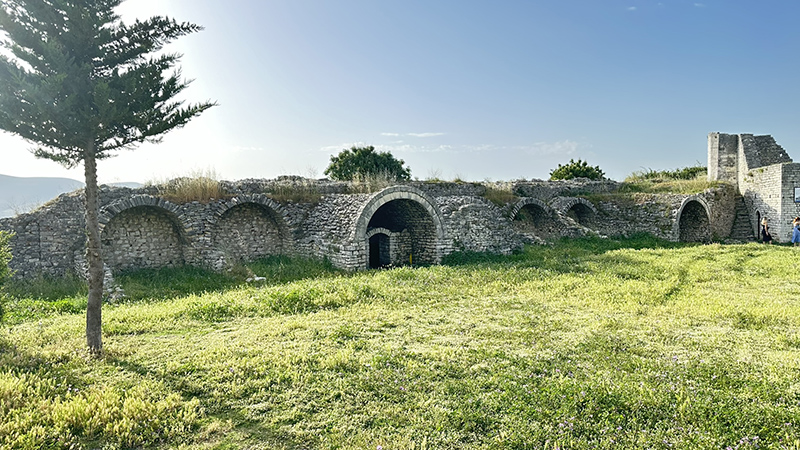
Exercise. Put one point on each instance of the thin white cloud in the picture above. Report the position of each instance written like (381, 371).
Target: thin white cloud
(408, 148)
(425, 135)
(565, 147)
(340, 147)
(390, 134)
(700, 5)
(632, 8)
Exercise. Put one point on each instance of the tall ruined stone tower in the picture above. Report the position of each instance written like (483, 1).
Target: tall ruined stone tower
(723, 157)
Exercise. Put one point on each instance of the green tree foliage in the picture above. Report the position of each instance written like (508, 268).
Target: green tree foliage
(79, 84)
(365, 162)
(576, 169)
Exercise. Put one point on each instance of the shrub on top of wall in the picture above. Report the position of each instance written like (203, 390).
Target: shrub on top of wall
(304, 191)
(200, 186)
(500, 197)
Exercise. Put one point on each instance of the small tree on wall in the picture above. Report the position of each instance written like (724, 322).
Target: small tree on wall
(366, 162)
(79, 84)
(576, 169)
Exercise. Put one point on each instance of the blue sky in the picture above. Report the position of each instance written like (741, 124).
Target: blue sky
(472, 89)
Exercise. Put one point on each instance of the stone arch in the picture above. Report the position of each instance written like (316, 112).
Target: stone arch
(577, 208)
(142, 232)
(693, 222)
(249, 227)
(413, 222)
(534, 219)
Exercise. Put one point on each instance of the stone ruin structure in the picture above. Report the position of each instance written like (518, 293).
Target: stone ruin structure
(406, 224)
(763, 174)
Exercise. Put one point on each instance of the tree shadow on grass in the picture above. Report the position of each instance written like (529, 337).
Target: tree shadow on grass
(173, 282)
(243, 431)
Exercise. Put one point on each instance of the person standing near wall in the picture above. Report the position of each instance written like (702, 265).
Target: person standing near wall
(796, 231)
(765, 236)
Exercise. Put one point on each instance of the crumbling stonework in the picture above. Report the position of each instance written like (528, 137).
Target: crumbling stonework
(412, 223)
(762, 173)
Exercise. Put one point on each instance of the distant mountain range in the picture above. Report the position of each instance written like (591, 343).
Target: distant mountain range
(24, 194)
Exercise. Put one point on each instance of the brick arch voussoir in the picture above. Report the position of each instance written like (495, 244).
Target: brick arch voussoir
(174, 212)
(564, 204)
(523, 202)
(379, 230)
(400, 192)
(258, 199)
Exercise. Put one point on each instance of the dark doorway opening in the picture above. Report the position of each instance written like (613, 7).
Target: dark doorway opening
(379, 251)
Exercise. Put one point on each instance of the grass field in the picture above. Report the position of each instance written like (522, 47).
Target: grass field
(586, 344)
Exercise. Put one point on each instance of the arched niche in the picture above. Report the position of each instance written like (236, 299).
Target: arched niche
(249, 230)
(142, 236)
(533, 216)
(693, 221)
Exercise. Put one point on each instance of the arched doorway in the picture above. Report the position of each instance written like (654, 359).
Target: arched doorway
(412, 230)
(693, 223)
(411, 223)
(379, 251)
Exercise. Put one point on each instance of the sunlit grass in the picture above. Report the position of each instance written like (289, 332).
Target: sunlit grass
(583, 344)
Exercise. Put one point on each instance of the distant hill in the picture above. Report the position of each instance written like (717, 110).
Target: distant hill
(23, 194)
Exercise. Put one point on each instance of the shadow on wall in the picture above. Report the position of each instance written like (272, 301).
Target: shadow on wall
(534, 220)
(412, 236)
(582, 214)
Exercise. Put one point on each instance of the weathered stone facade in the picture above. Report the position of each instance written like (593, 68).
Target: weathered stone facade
(763, 174)
(412, 223)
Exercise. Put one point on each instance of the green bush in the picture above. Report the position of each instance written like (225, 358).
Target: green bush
(363, 162)
(576, 169)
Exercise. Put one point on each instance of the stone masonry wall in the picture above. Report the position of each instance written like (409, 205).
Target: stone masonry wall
(790, 179)
(426, 220)
(761, 190)
(142, 237)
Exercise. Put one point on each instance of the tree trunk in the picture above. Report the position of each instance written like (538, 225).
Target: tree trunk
(94, 258)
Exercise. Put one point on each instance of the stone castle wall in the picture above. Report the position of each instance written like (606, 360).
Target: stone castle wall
(416, 222)
(764, 175)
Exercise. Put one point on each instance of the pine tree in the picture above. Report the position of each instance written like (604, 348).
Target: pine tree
(79, 84)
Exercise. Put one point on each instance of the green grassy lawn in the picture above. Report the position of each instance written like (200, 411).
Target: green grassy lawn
(584, 344)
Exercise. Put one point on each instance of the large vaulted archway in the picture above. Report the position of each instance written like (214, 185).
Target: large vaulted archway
(397, 226)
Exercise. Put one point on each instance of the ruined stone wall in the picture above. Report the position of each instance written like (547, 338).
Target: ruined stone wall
(790, 179)
(425, 221)
(723, 152)
(142, 237)
(761, 190)
(477, 225)
(250, 231)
